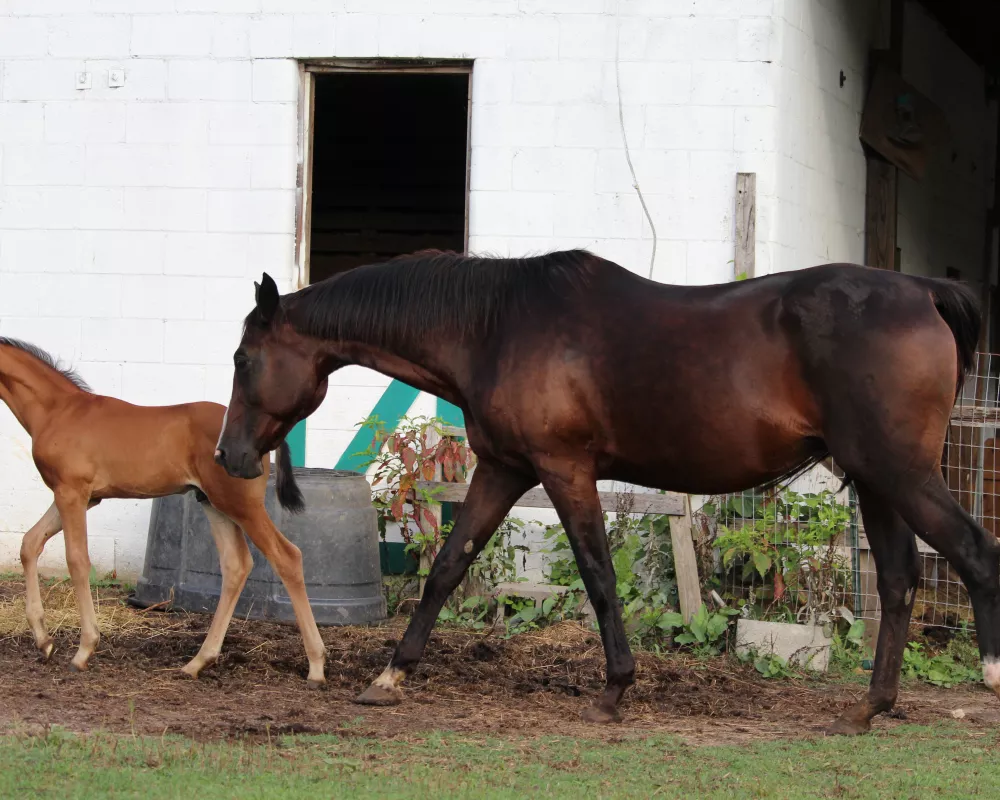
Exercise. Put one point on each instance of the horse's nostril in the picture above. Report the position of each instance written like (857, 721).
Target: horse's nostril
(220, 457)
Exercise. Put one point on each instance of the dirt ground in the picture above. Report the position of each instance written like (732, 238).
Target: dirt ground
(533, 684)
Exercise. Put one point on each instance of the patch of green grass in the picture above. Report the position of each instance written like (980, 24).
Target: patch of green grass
(911, 761)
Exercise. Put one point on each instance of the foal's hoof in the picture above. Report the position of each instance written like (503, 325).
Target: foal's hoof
(315, 684)
(47, 650)
(379, 696)
(600, 715)
(845, 726)
(188, 672)
(74, 667)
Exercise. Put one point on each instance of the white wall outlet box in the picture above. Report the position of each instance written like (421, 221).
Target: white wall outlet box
(83, 80)
(116, 78)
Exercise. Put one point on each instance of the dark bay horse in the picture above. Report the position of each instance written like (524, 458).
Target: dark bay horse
(90, 448)
(570, 369)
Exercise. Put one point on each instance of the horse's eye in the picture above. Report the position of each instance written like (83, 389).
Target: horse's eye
(241, 361)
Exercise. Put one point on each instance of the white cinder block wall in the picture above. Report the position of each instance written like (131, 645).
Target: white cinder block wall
(133, 219)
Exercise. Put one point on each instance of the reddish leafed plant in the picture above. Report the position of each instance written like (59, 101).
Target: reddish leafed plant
(404, 457)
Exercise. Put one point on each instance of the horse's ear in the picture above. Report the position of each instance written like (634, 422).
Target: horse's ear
(266, 294)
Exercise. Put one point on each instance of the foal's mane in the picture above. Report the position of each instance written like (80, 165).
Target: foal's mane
(46, 358)
(397, 302)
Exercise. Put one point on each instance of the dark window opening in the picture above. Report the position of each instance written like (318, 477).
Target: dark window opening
(389, 161)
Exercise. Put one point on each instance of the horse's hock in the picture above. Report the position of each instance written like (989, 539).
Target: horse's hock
(337, 534)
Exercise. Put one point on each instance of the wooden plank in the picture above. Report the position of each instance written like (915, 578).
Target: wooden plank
(880, 213)
(685, 562)
(746, 223)
(671, 504)
(922, 546)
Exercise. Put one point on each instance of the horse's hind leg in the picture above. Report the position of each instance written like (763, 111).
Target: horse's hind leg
(936, 516)
(897, 564)
(286, 559)
(235, 563)
(31, 548)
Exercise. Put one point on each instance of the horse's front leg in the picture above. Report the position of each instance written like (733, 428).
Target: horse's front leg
(492, 493)
(573, 491)
(72, 505)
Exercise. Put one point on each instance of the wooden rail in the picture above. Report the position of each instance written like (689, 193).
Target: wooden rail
(672, 504)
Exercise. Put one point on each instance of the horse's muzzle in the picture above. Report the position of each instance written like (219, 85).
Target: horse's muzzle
(244, 466)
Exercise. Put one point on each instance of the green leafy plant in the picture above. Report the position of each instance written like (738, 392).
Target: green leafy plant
(706, 633)
(847, 648)
(788, 540)
(528, 616)
(642, 555)
(471, 613)
(940, 670)
(770, 665)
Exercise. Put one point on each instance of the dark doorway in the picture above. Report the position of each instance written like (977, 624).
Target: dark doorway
(389, 166)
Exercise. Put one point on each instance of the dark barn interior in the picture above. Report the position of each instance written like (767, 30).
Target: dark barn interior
(389, 167)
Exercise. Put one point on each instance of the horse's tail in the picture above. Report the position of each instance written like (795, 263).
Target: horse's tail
(958, 306)
(289, 494)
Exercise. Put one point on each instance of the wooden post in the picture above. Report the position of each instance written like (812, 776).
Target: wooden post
(746, 223)
(880, 213)
(882, 178)
(685, 563)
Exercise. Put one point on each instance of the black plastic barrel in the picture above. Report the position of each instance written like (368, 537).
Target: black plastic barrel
(337, 534)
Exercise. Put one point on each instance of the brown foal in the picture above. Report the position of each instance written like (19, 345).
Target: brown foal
(90, 448)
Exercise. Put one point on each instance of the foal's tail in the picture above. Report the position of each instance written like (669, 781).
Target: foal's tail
(958, 306)
(289, 494)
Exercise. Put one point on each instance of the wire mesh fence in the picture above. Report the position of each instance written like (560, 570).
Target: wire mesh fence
(786, 553)
(770, 562)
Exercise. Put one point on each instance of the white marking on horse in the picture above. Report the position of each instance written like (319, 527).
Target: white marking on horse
(225, 420)
(991, 672)
(390, 678)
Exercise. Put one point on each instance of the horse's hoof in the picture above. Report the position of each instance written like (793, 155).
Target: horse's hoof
(186, 672)
(313, 684)
(600, 715)
(47, 650)
(74, 667)
(845, 726)
(379, 696)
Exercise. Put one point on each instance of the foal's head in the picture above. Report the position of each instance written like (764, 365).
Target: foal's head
(278, 381)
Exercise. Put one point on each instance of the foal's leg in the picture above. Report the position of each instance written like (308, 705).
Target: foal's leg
(235, 562)
(31, 548)
(897, 564)
(493, 490)
(286, 559)
(574, 494)
(72, 508)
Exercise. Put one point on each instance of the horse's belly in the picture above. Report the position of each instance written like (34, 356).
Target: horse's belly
(710, 460)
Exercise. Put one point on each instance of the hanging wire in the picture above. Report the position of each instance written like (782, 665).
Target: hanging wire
(621, 122)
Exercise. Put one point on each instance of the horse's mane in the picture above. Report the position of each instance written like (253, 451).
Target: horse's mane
(46, 358)
(398, 301)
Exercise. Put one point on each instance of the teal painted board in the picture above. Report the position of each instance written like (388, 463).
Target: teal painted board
(297, 444)
(391, 408)
(451, 414)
